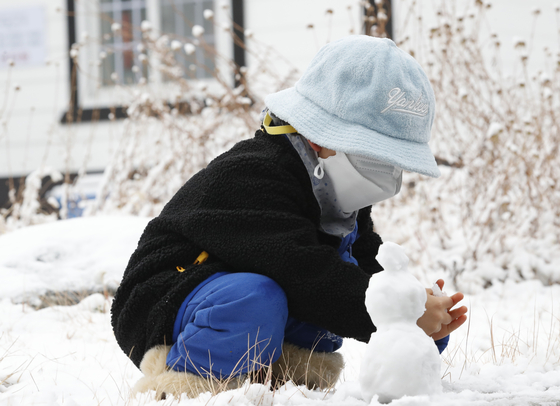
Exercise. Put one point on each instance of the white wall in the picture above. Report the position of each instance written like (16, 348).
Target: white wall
(31, 138)
(506, 18)
(35, 109)
(32, 135)
(283, 25)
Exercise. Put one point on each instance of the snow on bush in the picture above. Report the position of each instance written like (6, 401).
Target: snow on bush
(26, 209)
(495, 211)
(493, 215)
(163, 143)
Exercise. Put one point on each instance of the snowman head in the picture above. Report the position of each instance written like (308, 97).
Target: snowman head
(394, 295)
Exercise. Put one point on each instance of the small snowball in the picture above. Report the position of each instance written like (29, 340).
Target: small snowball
(146, 25)
(494, 129)
(197, 31)
(175, 45)
(190, 49)
(208, 14)
(392, 257)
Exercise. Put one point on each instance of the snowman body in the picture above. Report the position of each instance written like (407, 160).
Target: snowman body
(400, 358)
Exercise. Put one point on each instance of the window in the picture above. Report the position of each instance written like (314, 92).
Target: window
(111, 52)
(178, 17)
(119, 53)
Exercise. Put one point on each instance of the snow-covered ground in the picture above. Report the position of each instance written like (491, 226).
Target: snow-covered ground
(508, 353)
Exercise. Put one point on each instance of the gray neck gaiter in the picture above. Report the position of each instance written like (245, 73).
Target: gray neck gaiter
(333, 220)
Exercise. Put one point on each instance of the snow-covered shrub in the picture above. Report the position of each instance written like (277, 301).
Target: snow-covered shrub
(495, 212)
(493, 215)
(26, 209)
(164, 142)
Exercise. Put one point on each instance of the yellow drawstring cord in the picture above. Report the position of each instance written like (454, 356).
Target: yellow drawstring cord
(278, 129)
(199, 260)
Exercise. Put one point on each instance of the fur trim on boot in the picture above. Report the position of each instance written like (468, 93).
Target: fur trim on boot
(165, 381)
(305, 367)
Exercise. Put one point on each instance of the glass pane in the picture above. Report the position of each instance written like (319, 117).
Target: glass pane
(167, 18)
(208, 24)
(120, 47)
(127, 34)
(107, 69)
(142, 15)
(128, 63)
(188, 18)
(106, 33)
(209, 64)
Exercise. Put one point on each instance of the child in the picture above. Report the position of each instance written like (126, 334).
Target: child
(264, 257)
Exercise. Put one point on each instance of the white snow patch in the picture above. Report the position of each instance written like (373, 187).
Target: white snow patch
(79, 254)
(508, 352)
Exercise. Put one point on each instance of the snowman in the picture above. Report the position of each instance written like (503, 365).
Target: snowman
(400, 358)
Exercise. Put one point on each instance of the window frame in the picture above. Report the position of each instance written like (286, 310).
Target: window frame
(86, 106)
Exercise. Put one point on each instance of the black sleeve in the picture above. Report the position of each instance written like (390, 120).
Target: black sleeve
(366, 247)
(257, 216)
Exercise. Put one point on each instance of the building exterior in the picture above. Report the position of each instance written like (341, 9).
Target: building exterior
(61, 106)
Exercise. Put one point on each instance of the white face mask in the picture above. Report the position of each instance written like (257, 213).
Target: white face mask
(358, 181)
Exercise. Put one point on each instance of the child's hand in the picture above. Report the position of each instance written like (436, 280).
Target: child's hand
(438, 321)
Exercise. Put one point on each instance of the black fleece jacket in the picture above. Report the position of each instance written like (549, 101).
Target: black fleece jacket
(253, 210)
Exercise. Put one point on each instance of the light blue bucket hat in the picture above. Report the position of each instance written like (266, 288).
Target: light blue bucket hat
(362, 95)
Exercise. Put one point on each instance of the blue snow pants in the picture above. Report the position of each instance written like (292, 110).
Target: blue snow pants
(234, 323)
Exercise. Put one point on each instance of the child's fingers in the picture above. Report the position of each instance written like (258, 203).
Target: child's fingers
(456, 298)
(455, 324)
(447, 301)
(440, 283)
(456, 313)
